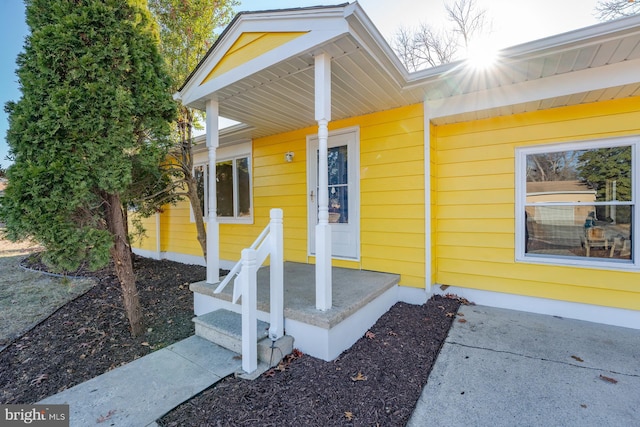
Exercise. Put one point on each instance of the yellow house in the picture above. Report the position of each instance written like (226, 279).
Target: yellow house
(425, 175)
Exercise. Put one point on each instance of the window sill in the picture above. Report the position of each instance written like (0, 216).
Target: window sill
(247, 220)
(592, 263)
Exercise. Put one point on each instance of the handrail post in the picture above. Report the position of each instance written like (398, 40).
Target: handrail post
(276, 279)
(249, 311)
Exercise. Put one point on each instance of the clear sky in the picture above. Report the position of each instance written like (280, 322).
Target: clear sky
(514, 22)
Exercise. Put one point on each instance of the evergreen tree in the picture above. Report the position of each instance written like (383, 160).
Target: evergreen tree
(94, 114)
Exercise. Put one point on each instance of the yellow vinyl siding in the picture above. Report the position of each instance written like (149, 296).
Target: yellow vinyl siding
(148, 241)
(391, 186)
(391, 197)
(247, 47)
(178, 233)
(475, 192)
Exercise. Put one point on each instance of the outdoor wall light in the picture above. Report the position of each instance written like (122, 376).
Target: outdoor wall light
(288, 156)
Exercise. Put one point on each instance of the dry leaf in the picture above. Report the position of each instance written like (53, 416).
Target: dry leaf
(441, 307)
(359, 377)
(370, 335)
(104, 418)
(462, 320)
(577, 358)
(608, 379)
(37, 380)
(393, 334)
(460, 314)
(450, 314)
(348, 415)
(583, 405)
(145, 344)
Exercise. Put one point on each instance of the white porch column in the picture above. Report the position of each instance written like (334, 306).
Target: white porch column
(323, 228)
(213, 230)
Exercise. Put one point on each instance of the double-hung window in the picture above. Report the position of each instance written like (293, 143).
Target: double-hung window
(576, 203)
(233, 187)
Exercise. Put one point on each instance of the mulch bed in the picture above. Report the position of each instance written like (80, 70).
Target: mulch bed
(90, 335)
(376, 382)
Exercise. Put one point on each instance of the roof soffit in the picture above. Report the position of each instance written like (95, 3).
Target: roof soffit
(271, 90)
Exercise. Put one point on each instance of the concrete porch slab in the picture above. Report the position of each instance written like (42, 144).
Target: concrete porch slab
(359, 299)
(352, 290)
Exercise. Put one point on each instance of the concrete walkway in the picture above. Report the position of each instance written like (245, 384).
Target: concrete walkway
(498, 368)
(140, 392)
(509, 368)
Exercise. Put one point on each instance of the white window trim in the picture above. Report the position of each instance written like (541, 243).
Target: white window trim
(520, 194)
(226, 153)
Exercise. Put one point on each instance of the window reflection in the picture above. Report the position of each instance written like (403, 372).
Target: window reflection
(578, 203)
(224, 187)
(337, 163)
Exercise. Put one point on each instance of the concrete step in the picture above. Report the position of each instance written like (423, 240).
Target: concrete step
(224, 327)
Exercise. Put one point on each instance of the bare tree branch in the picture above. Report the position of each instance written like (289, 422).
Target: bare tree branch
(607, 10)
(469, 21)
(430, 47)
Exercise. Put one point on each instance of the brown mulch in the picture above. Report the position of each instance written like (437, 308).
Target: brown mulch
(376, 382)
(90, 335)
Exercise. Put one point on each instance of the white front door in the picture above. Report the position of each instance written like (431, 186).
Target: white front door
(344, 192)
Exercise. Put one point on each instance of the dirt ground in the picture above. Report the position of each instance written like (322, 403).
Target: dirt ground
(376, 382)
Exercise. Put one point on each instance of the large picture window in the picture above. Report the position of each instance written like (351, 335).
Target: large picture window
(233, 188)
(576, 203)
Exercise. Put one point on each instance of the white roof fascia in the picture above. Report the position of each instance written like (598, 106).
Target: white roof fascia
(321, 25)
(366, 33)
(586, 80)
(594, 34)
(305, 43)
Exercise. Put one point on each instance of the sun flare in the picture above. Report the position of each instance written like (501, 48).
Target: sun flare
(482, 54)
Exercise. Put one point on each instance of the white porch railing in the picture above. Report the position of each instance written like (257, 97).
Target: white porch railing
(269, 243)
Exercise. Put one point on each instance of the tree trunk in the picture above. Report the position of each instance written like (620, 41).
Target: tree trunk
(123, 262)
(186, 154)
(198, 215)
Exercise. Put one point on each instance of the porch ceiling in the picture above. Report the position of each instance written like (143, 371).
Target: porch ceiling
(281, 97)
(367, 77)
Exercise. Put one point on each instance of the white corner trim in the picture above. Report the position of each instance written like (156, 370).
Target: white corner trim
(428, 272)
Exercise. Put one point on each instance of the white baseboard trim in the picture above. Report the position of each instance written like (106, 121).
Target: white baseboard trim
(147, 254)
(570, 310)
(417, 296)
(182, 258)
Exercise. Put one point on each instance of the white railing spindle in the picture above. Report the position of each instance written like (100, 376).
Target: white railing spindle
(249, 310)
(276, 327)
(269, 243)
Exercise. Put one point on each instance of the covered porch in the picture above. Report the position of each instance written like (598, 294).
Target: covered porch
(359, 299)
